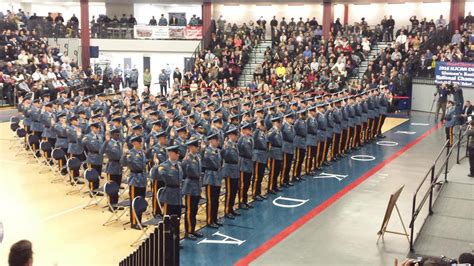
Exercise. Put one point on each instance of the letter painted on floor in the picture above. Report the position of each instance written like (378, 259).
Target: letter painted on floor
(387, 143)
(363, 158)
(405, 132)
(226, 240)
(328, 175)
(280, 198)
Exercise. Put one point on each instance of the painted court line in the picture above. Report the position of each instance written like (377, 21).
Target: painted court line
(62, 213)
(252, 256)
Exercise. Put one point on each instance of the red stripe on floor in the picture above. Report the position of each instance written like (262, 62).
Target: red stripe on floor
(311, 214)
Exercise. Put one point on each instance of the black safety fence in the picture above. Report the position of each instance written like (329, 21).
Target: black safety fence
(436, 177)
(160, 248)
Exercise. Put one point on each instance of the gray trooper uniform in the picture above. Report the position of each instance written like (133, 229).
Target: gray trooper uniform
(48, 131)
(288, 134)
(113, 150)
(157, 181)
(275, 155)
(260, 159)
(136, 162)
(192, 184)
(212, 179)
(231, 174)
(301, 132)
(312, 143)
(61, 136)
(36, 125)
(450, 122)
(337, 130)
(93, 144)
(245, 147)
(383, 109)
(172, 175)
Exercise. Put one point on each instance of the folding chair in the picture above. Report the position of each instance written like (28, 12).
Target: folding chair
(14, 125)
(46, 148)
(139, 206)
(118, 209)
(20, 136)
(58, 157)
(74, 164)
(33, 146)
(91, 175)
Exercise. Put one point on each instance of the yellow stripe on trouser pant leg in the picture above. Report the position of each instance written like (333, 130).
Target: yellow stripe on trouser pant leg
(255, 179)
(283, 170)
(227, 192)
(188, 213)
(241, 194)
(132, 189)
(209, 204)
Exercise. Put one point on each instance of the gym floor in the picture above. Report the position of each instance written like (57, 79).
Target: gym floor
(336, 225)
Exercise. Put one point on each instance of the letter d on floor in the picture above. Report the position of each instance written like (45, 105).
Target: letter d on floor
(298, 203)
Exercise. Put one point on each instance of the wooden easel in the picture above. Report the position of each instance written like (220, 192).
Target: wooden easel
(388, 213)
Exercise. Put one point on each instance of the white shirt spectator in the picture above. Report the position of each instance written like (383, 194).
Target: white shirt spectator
(401, 39)
(22, 58)
(314, 65)
(441, 22)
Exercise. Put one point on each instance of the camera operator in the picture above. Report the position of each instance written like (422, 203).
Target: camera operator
(442, 92)
(457, 98)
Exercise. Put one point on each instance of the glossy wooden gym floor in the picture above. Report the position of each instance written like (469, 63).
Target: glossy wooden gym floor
(31, 207)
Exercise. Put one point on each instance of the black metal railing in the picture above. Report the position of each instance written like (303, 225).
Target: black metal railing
(160, 248)
(434, 172)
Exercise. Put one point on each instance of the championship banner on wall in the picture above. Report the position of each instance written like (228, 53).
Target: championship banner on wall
(455, 72)
(151, 32)
(176, 32)
(193, 32)
(165, 32)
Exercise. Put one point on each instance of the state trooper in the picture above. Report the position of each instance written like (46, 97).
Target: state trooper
(357, 141)
(365, 119)
(383, 109)
(35, 114)
(337, 131)
(330, 133)
(172, 175)
(245, 147)
(93, 143)
(60, 129)
(301, 132)
(75, 147)
(136, 161)
(192, 187)
(230, 172)
(212, 179)
(46, 118)
(288, 148)
(450, 122)
(322, 135)
(259, 158)
(312, 141)
(275, 154)
(112, 148)
(158, 154)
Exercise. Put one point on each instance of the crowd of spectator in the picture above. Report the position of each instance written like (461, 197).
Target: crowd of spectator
(219, 65)
(299, 57)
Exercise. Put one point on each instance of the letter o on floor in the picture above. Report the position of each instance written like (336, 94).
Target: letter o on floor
(363, 158)
(387, 143)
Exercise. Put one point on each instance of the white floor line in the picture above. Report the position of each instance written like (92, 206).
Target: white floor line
(62, 213)
(13, 162)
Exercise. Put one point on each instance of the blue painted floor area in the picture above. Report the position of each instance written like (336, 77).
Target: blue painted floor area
(258, 225)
